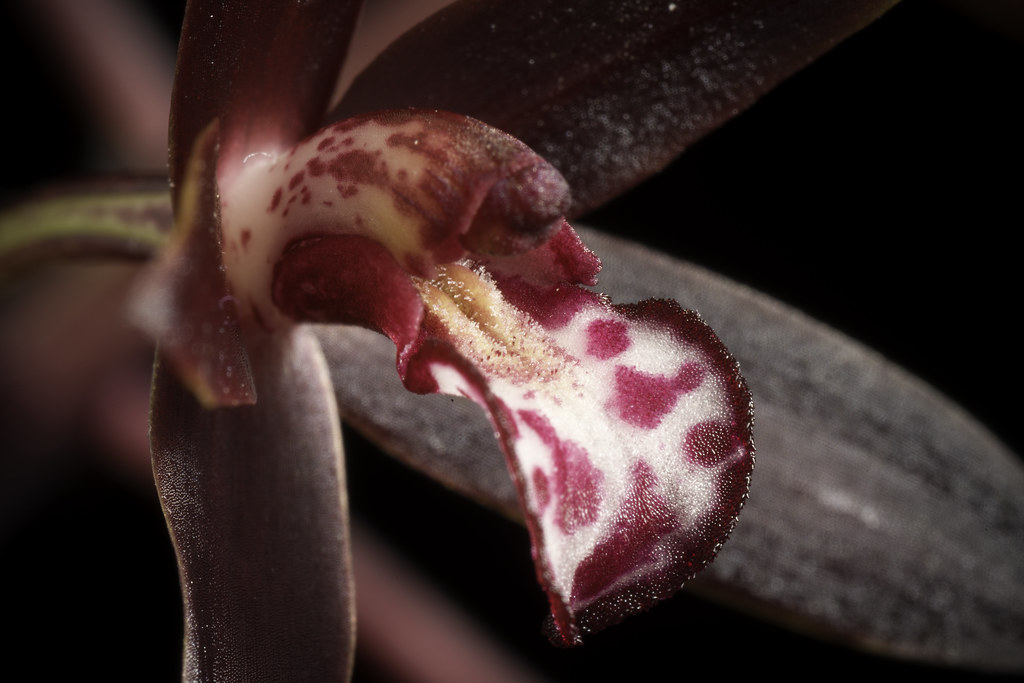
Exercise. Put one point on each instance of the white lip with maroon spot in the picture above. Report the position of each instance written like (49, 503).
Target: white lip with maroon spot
(614, 446)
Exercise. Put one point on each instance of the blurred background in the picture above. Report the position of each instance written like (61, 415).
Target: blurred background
(877, 191)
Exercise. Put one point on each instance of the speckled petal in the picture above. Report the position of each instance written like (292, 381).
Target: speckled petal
(428, 187)
(627, 428)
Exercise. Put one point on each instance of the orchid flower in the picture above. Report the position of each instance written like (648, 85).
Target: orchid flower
(627, 429)
(446, 235)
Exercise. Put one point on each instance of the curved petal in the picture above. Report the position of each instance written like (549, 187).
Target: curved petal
(608, 92)
(255, 500)
(627, 429)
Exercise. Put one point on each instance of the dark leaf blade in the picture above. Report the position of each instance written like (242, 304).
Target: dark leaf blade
(255, 500)
(267, 70)
(881, 515)
(609, 93)
(446, 437)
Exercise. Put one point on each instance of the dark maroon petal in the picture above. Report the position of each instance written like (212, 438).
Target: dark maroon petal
(607, 92)
(183, 300)
(255, 500)
(265, 69)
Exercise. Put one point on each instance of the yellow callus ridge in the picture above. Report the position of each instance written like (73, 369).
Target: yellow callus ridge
(497, 337)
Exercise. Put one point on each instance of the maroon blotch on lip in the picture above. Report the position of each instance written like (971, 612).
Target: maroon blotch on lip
(643, 399)
(643, 521)
(577, 483)
(709, 443)
(607, 338)
(553, 307)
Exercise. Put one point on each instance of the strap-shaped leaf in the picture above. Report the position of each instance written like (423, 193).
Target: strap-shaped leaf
(117, 217)
(255, 500)
(608, 92)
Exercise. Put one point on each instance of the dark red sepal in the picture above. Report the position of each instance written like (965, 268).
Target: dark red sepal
(255, 500)
(183, 300)
(265, 69)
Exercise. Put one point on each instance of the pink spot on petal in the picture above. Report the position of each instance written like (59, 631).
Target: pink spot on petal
(607, 338)
(577, 483)
(246, 236)
(296, 179)
(643, 399)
